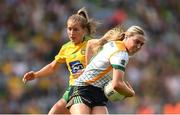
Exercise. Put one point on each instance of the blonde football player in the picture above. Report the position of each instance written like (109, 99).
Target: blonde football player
(88, 90)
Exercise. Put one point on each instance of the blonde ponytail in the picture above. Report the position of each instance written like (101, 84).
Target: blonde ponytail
(83, 12)
(116, 33)
(91, 24)
(82, 17)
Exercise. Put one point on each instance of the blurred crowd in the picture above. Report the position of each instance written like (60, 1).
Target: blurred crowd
(33, 31)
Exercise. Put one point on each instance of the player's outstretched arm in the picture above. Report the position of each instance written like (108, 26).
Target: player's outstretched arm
(47, 70)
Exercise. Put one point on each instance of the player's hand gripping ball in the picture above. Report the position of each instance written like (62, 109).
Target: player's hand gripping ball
(112, 94)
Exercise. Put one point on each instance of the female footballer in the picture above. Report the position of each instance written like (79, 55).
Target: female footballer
(79, 30)
(88, 90)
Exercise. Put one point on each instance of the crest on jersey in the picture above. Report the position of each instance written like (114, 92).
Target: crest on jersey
(123, 62)
(83, 51)
(111, 44)
(75, 66)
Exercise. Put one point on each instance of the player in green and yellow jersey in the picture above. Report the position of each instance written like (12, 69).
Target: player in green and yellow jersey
(74, 57)
(79, 30)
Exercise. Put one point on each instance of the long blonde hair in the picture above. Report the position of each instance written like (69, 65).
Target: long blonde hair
(117, 33)
(111, 35)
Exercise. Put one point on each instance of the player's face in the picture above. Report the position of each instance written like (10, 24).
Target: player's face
(75, 31)
(134, 43)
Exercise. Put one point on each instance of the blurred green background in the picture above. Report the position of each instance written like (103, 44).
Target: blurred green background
(33, 31)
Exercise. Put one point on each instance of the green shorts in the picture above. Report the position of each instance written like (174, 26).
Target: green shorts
(66, 94)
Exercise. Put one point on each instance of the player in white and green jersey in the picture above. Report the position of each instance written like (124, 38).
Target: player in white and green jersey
(87, 91)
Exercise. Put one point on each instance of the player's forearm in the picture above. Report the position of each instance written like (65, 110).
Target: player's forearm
(122, 88)
(119, 85)
(45, 71)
